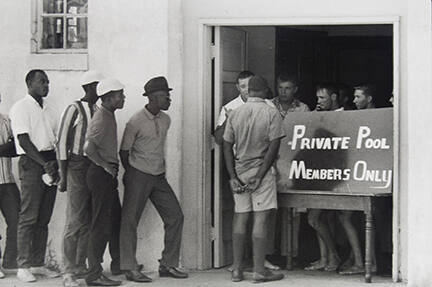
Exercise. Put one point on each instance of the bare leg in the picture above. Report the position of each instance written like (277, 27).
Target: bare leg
(323, 230)
(313, 219)
(358, 267)
(259, 238)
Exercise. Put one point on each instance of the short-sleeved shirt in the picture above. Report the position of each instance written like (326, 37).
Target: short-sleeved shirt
(74, 125)
(296, 106)
(144, 137)
(232, 105)
(251, 128)
(5, 162)
(103, 133)
(40, 123)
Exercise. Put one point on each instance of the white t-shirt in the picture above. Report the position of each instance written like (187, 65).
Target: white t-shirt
(232, 105)
(27, 117)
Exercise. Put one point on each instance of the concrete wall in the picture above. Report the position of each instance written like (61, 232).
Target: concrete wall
(132, 42)
(415, 181)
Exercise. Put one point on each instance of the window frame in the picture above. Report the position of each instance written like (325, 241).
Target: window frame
(37, 31)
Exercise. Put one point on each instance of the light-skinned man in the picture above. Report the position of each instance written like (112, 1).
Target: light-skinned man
(143, 157)
(101, 148)
(34, 125)
(254, 130)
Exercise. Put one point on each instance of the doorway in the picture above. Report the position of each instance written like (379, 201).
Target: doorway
(349, 54)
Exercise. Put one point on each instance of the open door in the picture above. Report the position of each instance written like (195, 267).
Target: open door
(229, 60)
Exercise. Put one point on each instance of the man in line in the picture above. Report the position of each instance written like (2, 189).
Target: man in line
(34, 125)
(9, 194)
(73, 163)
(143, 158)
(255, 131)
(101, 149)
(327, 100)
(286, 102)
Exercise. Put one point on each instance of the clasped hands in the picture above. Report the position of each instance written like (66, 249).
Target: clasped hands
(237, 186)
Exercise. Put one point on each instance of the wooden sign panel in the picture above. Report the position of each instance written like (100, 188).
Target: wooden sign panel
(338, 151)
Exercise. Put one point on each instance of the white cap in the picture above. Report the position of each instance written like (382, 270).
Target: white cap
(91, 77)
(108, 85)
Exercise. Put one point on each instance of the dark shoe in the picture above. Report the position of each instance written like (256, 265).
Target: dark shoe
(103, 281)
(136, 276)
(116, 271)
(236, 275)
(266, 277)
(165, 271)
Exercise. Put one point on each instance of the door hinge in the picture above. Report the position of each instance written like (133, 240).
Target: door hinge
(213, 51)
(212, 234)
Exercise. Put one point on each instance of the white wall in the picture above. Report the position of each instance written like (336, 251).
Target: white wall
(132, 42)
(415, 75)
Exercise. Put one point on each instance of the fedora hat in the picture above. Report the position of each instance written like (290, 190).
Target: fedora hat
(156, 84)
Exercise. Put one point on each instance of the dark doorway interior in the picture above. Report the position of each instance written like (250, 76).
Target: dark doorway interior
(345, 54)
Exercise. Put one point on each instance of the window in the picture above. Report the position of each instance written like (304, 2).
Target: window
(61, 26)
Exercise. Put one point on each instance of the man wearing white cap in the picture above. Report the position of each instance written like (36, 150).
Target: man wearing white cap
(73, 163)
(101, 149)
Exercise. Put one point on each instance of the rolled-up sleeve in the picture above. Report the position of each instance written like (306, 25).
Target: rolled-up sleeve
(129, 136)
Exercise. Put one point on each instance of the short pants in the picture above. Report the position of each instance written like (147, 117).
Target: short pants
(263, 198)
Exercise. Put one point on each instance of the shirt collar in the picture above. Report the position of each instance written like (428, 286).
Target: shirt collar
(255, 99)
(150, 115)
(105, 110)
(32, 100)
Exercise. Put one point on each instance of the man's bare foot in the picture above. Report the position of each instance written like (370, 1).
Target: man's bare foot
(352, 270)
(333, 264)
(316, 265)
(270, 266)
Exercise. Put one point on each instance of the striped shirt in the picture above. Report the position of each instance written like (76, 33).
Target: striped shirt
(73, 128)
(5, 162)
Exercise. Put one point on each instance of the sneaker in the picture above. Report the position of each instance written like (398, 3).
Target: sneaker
(42, 270)
(69, 280)
(2, 275)
(25, 275)
(266, 276)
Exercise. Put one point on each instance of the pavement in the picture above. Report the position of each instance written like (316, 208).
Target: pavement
(220, 277)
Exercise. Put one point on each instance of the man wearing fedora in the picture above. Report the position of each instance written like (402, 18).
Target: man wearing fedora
(142, 155)
(101, 149)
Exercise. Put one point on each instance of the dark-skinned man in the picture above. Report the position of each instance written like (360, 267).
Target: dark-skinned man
(254, 130)
(34, 125)
(73, 163)
(143, 157)
(101, 148)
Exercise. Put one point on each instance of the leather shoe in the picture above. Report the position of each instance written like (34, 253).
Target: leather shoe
(236, 275)
(116, 271)
(103, 281)
(136, 276)
(165, 271)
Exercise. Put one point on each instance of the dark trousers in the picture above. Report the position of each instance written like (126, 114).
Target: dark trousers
(103, 190)
(10, 205)
(36, 209)
(139, 187)
(75, 239)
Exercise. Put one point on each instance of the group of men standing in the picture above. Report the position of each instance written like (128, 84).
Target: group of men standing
(250, 129)
(80, 156)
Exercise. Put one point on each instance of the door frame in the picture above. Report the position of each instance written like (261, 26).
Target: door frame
(206, 141)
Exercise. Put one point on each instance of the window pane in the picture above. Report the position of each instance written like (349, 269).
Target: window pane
(77, 6)
(77, 33)
(53, 6)
(52, 33)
